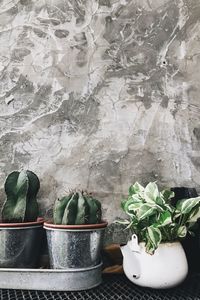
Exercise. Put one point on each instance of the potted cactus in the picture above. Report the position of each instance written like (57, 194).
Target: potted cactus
(20, 227)
(75, 235)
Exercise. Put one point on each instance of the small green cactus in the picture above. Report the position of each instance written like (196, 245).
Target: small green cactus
(21, 205)
(77, 208)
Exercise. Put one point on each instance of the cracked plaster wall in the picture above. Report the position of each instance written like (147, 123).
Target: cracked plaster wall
(100, 93)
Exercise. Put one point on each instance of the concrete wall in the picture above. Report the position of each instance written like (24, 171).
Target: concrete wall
(97, 94)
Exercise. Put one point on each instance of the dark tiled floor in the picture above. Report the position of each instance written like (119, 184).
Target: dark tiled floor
(114, 287)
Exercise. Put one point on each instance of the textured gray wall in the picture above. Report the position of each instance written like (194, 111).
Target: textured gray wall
(99, 93)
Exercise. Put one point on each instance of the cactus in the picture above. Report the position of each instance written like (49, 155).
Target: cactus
(77, 208)
(21, 205)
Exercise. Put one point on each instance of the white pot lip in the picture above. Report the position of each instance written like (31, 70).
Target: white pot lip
(163, 244)
(38, 223)
(51, 226)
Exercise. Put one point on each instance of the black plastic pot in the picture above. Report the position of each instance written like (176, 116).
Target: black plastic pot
(190, 244)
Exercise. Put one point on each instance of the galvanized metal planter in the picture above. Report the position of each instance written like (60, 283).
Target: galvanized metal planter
(51, 280)
(76, 249)
(74, 246)
(15, 262)
(20, 244)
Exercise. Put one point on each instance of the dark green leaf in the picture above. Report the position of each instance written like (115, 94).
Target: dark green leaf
(164, 219)
(167, 194)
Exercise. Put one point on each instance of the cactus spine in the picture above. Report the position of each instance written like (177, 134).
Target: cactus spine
(77, 208)
(21, 205)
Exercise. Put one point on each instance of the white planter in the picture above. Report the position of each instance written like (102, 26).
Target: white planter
(166, 268)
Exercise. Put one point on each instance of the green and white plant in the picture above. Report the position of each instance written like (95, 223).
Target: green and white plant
(153, 218)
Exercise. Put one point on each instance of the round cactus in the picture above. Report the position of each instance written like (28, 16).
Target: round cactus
(77, 208)
(21, 205)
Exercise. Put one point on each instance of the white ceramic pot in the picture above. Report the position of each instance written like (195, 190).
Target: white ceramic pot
(166, 268)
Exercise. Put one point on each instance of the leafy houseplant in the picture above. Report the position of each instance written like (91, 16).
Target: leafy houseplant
(154, 219)
(75, 236)
(21, 229)
(157, 226)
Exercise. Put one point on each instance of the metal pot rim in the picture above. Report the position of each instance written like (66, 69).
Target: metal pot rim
(67, 270)
(85, 227)
(23, 225)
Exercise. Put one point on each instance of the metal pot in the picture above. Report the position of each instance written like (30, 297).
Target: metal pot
(20, 244)
(74, 246)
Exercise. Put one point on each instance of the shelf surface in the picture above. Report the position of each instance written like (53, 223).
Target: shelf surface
(114, 287)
